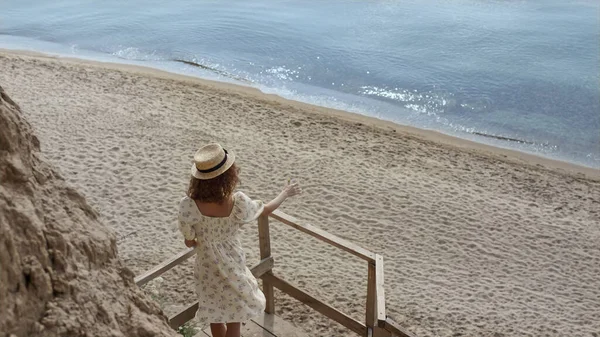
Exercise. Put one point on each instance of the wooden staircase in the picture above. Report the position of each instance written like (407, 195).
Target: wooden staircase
(376, 323)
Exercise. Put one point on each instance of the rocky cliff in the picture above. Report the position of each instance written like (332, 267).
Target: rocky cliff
(59, 270)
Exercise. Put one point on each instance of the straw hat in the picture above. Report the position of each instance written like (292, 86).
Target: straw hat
(211, 161)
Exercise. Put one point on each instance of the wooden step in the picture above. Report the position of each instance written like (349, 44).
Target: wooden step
(265, 326)
(248, 330)
(279, 327)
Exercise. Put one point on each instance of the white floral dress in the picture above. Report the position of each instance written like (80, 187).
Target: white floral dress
(227, 290)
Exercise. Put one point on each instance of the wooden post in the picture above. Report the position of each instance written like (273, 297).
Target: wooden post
(265, 252)
(380, 291)
(371, 317)
(380, 315)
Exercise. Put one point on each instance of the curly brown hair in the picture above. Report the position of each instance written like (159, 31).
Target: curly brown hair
(215, 190)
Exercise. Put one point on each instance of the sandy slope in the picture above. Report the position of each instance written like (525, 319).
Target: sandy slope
(478, 241)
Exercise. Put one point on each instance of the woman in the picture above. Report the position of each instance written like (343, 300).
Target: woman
(210, 217)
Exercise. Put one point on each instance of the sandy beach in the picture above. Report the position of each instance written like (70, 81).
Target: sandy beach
(477, 241)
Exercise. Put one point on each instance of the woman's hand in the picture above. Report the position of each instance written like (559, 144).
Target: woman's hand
(190, 243)
(291, 190)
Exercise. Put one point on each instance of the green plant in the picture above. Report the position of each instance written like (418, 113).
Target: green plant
(186, 330)
(154, 290)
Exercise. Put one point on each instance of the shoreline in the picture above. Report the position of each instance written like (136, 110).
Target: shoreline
(342, 115)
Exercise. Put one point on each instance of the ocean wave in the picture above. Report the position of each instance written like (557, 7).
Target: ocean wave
(135, 54)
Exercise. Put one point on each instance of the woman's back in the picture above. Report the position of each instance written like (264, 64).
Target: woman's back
(213, 228)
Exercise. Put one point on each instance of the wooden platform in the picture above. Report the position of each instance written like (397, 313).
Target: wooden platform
(266, 326)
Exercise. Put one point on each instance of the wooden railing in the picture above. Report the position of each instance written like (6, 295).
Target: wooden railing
(376, 323)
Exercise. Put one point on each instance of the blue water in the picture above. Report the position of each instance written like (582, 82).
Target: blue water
(524, 70)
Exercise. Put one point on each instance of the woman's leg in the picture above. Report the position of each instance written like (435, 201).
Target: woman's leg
(233, 330)
(218, 329)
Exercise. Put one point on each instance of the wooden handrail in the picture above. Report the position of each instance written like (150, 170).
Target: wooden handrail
(165, 266)
(324, 236)
(396, 329)
(183, 316)
(377, 324)
(314, 303)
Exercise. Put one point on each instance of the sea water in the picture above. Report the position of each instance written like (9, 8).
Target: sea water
(516, 74)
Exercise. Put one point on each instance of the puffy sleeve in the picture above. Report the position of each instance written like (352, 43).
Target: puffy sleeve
(248, 210)
(185, 226)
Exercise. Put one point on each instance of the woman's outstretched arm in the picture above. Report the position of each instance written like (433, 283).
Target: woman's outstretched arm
(290, 190)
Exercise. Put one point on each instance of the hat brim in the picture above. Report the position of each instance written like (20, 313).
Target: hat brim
(210, 175)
